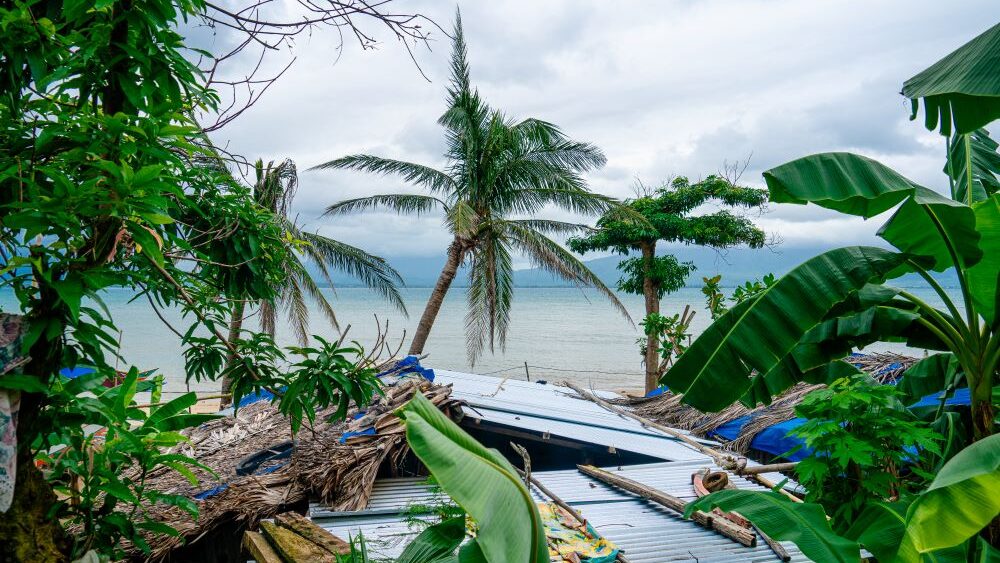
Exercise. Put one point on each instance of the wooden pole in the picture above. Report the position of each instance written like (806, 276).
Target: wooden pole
(719, 457)
(743, 536)
(776, 547)
(764, 481)
(758, 469)
(526, 374)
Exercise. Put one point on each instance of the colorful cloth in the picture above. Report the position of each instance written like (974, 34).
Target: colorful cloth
(571, 541)
(10, 400)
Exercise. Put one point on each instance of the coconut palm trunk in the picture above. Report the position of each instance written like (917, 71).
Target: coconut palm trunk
(456, 252)
(235, 326)
(650, 291)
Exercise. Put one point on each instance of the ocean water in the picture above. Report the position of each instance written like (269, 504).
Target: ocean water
(561, 333)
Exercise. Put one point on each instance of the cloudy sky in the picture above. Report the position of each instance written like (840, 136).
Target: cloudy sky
(663, 87)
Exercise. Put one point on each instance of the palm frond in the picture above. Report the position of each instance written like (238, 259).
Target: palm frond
(432, 179)
(462, 219)
(373, 271)
(309, 286)
(573, 199)
(400, 203)
(549, 256)
(490, 294)
(549, 226)
(459, 61)
(295, 303)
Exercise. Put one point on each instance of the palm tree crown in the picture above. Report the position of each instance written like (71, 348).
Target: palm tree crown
(500, 173)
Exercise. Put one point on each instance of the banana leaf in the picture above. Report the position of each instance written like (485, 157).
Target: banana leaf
(880, 528)
(436, 544)
(929, 224)
(481, 481)
(804, 524)
(959, 503)
(984, 277)
(930, 375)
(712, 372)
(926, 224)
(976, 152)
(961, 92)
(841, 181)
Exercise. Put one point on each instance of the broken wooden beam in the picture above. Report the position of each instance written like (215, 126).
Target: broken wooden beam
(312, 532)
(292, 547)
(256, 545)
(743, 536)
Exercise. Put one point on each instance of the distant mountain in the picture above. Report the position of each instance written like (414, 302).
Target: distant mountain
(736, 266)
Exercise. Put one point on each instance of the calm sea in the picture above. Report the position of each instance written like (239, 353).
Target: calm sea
(560, 333)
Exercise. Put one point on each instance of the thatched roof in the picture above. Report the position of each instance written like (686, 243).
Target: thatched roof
(668, 410)
(324, 466)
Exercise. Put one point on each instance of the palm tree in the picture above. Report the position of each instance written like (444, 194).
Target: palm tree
(274, 189)
(500, 173)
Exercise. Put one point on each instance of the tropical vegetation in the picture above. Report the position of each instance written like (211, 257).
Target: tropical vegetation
(500, 173)
(819, 312)
(669, 217)
(107, 181)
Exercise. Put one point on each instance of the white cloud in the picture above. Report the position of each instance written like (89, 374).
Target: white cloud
(664, 88)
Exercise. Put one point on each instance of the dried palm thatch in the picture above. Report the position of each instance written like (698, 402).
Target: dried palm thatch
(329, 463)
(667, 408)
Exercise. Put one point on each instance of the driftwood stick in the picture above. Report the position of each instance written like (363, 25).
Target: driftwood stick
(559, 502)
(764, 481)
(743, 536)
(758, 469)
(718, 456)
(776, 547)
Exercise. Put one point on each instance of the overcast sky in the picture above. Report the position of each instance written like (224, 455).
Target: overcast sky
(663, 87)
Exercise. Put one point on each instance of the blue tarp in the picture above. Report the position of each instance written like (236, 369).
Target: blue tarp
(74, 372)
(775, 440)
(409, 364)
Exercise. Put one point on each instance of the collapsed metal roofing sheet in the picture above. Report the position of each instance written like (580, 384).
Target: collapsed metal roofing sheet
(646, 531)
(554, 410)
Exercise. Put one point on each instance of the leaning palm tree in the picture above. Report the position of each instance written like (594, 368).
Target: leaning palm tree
(274, 189)
(500, 173)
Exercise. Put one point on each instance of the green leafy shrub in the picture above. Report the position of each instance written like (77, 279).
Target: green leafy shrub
(861, 442)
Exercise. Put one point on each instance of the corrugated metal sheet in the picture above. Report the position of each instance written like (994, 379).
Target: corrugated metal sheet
(551, 409)
(646, 531)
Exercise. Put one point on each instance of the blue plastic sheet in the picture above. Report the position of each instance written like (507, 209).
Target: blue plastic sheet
(409, 364)
(365, 432)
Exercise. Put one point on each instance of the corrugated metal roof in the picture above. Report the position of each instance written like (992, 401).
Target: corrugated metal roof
(646, 531)
(555, 410)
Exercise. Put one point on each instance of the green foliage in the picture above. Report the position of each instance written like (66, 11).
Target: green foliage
(482, 482)
(938, 524)
(498, 169)
(715, 299)
(861, 440)
(960, 501)
(667, 274)
(666, 213)
(814, 318)
(106, 181)
(671, 331)
(804, 524)
(101, 477)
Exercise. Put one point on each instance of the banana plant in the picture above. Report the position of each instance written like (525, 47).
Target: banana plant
(817, 313)
(939, 524)
(483, 483)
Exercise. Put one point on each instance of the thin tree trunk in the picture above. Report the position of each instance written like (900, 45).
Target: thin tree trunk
(235, 326)
(649, 290)
(456, 252)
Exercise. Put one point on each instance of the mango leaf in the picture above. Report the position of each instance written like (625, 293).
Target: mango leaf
(435, 543)
(929, 224)
(803, 524)
(840, 181)
(984, 277)
(961, 92)
(960, 501)
(973, 165)
(481, 481)
(712, 372)
(879, 528)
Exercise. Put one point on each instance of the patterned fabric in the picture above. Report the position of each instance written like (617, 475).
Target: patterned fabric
(571, 541)
(10, 359)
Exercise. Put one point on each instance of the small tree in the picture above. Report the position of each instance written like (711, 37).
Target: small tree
(669, 212)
